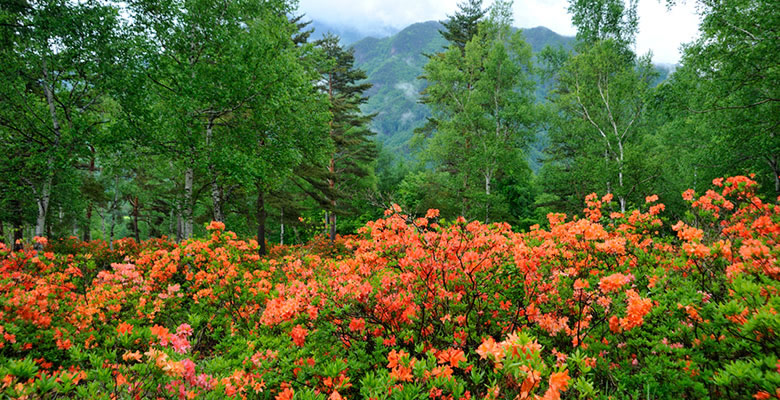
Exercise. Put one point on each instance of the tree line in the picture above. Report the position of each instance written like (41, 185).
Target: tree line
(609, 123)
(149, 118)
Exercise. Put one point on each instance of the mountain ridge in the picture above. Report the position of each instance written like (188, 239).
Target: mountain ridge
(393, 65)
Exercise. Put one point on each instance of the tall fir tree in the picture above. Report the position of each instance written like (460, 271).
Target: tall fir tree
(348, 173)
(464, 25)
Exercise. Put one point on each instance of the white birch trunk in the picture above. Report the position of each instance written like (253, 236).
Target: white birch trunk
(621, 198)
(281, 230)
(45, 193)
(188, 176)
(103, 226)
(487, 196)
(114, 212)
(216, 193)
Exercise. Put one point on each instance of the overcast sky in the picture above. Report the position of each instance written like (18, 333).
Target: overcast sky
(660, 30)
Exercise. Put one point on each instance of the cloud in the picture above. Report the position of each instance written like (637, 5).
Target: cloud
(663, 32)
(408, 88)
(660, 30)
(375, 15)
(548, 13)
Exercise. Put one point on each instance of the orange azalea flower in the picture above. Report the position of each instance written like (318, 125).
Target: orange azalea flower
(124, 328)
(559, 381)
(357, 325)
(135, 355)
(298, 335)
(394, 356)
(162, 333)
(580, 284)
(401, 373)
(215, 225)
(532, 378)
(120, 379)
(612, 282)
(614, 324)
(286, 394)
(651, 199)
(490, 347)
(762, 395)
(636, 310)
(451, 356)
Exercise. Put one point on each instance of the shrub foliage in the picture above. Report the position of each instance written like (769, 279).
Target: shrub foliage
(627, 305)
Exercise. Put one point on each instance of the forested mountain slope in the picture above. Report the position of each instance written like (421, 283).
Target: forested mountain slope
(393, 65)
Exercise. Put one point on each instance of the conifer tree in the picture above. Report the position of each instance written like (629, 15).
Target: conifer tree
(464, 25)
(349, 169)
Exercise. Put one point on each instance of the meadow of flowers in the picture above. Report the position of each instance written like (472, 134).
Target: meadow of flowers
(607, 305)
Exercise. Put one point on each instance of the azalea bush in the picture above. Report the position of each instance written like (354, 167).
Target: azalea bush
(606, 305)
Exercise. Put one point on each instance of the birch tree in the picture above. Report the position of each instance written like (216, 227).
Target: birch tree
(609, 95)
(206, 62)
(482, 101)
(598, 106)
(54, 62)
(730, 86)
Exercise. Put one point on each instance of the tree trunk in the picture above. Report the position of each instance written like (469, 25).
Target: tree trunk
(331, 217)
(261, 217)
(281, 226)
(88, 226)
(216, 191)
(621, 197)
(773, 164)
(102, 225)
(114, 212)
(136, 211)
(18, 236)
(87, 236)
(179, 224)
(332, 222)
(606, 170)
(135, 229)
(45, 193)
(171, 223)
(487, 198)
(43, 208)
(464, 204)
(332, 186)
(111, 232)
(187, 223)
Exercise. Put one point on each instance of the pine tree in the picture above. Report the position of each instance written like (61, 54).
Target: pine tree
(349, 169)
(464, 25)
